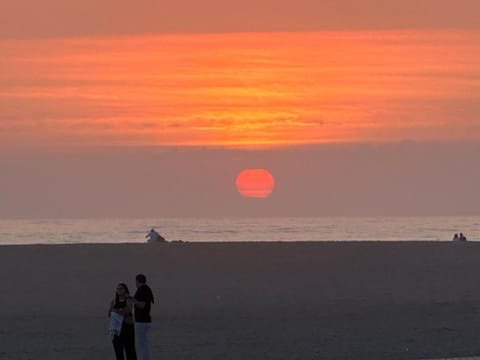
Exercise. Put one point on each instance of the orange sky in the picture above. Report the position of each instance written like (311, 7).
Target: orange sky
(97, 99)
(241, 88)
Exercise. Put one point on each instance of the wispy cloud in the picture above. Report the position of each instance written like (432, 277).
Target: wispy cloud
(237, 89)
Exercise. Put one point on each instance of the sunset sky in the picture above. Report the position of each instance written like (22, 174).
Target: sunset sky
(356, 107)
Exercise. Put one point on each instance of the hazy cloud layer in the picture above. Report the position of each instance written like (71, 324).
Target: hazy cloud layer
(59, 18)
(329, 180)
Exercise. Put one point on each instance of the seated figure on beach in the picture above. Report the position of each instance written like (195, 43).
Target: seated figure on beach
(153, 237)
(462, 237)
(455, 237)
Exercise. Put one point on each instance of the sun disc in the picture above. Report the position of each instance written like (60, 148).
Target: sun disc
(255, 183)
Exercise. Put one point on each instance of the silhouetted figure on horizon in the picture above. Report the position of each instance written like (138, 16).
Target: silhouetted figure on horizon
(455, 237)
(462, 237)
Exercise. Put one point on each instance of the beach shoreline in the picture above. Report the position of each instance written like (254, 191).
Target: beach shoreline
(252, 300)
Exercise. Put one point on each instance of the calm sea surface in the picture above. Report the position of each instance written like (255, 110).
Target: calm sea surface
(66, 231)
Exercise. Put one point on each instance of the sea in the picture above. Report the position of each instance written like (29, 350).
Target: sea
(114, 231)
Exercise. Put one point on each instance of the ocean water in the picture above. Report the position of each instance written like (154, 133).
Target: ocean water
(70, 231)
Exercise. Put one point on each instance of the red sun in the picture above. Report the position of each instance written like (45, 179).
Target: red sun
(256, 183)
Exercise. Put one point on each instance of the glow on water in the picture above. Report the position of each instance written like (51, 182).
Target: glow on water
(65, 231)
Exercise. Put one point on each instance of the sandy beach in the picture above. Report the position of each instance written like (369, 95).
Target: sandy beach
(345, 300)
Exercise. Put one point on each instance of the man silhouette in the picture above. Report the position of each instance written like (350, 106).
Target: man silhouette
(142, 300)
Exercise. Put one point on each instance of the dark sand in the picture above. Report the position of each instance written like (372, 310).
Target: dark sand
(247, 301)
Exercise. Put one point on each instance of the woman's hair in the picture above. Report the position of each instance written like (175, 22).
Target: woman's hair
(127, 292)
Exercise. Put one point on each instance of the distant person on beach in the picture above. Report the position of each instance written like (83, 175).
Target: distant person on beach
(462, 237)
(121, 326)
(154, 236)
(455, 237)
(143, 299)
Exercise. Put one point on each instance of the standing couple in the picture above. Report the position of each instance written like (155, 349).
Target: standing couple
(130, 320)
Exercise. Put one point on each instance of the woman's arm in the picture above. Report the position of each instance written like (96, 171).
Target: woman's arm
(139, 304)
(127, 310)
